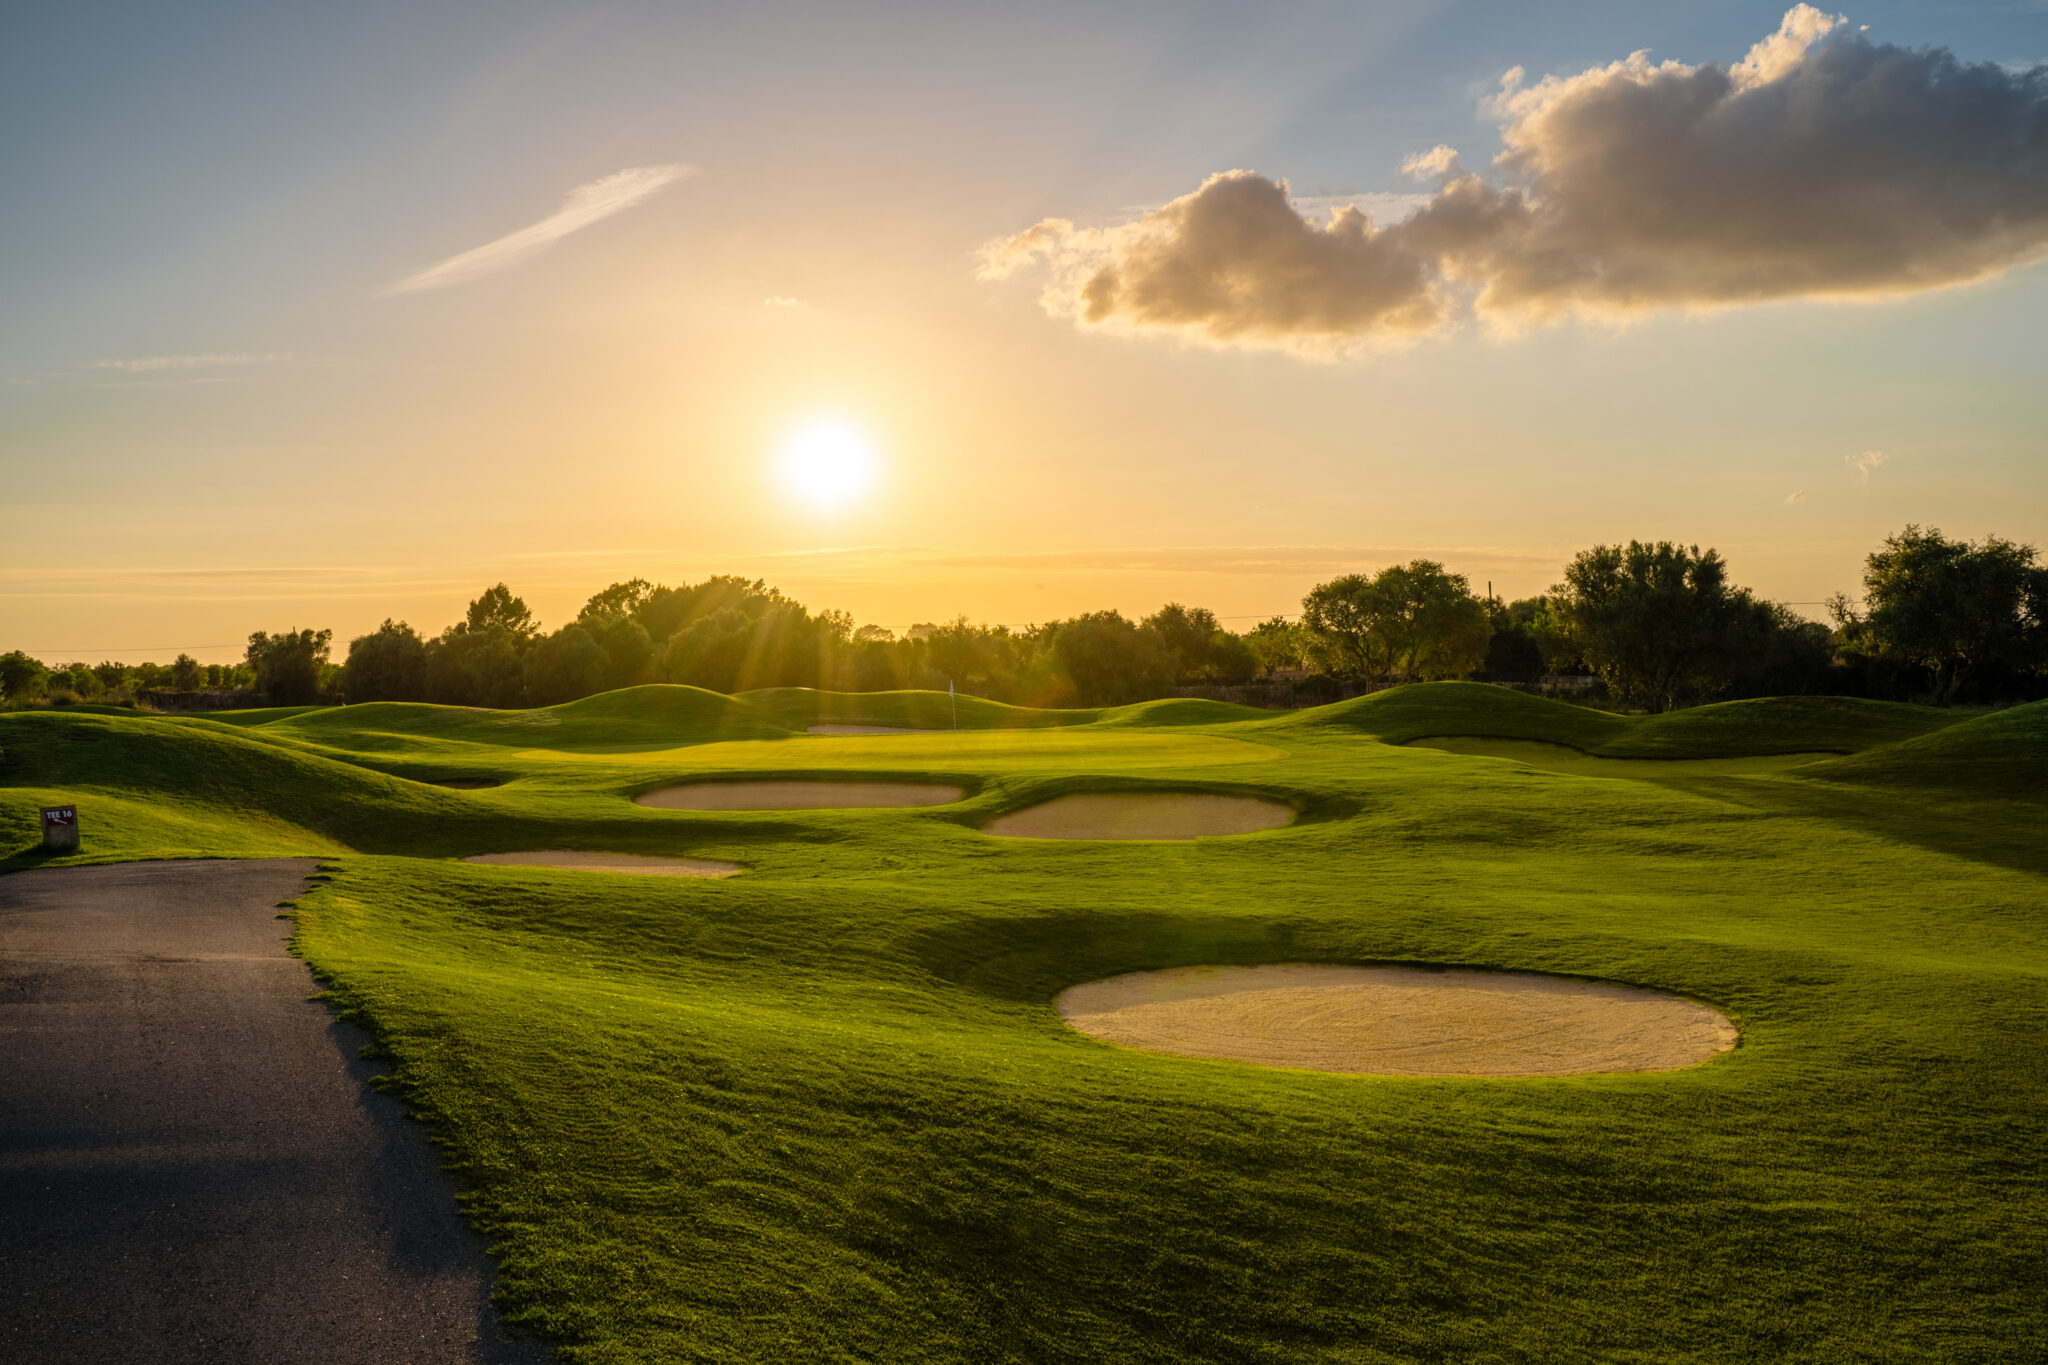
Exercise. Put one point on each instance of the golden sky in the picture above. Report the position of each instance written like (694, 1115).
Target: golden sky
(315, 319)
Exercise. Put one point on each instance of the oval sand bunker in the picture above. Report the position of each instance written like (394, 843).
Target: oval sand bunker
(1399, 1021)
(1142, 815)
(640, 863)
(797, 795)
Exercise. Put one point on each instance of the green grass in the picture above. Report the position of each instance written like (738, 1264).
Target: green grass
(824, 1110)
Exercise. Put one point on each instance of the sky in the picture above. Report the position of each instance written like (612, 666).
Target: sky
(314, 315)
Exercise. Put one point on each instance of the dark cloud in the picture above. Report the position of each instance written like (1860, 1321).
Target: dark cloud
(1821, 165)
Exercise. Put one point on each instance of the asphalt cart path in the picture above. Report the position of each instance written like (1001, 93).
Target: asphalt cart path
(193, 1166)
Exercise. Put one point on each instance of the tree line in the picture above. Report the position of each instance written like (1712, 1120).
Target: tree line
(24, 679)
(1659, 625)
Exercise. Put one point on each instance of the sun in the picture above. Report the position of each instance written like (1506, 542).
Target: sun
(827, 463)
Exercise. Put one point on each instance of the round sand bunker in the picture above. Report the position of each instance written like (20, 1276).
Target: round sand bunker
(797, 795)
(1142, 815)
(1399, 1021)
(638, 863)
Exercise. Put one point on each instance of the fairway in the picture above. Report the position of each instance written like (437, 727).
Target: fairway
(830, 1109)
(578, 860)
(1007, 750)
(797, 795)
(1561, 758)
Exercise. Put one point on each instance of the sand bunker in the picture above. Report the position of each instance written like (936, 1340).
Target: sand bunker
(1399, 1021)
(1142, 815)
(864, 730)
(610, 862)
(797, 795)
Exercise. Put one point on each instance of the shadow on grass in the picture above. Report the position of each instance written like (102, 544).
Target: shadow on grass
(2001, 833)
(27, 856)
(1031, 960)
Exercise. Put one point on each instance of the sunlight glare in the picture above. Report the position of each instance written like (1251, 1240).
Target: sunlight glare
(827, 463)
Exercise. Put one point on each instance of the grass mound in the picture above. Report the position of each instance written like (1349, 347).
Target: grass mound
(250, 717)
(1734, 729)
(2002, 755)
(195, 777)
(799, 708)
(659, 715)
(1774, 725)
(1418, 710)
(1181, 711)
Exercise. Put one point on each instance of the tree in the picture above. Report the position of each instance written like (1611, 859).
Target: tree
(1274, 643)
(1956, 607)
(1798, 660)
(1230, 661)
(20, 676)
(564, 666)
(476, 668)
(1203, 651)
(1513, 653)
(288, 665)
(1185, 632)
(664, 611)
(187, 674)
(110, 674)
(1110, 661)
(627, 649)
(1657, 622)
(84, 682)
(1410, 620)
(388, 664)
(711, 652)
(498, 607)
(1339, 628)
(620, 599)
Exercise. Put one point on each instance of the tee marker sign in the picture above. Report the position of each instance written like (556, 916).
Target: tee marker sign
(60, 829)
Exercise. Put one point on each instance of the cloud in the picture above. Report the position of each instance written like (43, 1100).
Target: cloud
(586, 204)
(1799, 496)
(151, 363)
(1820, 165)
(781, 301)
(1438, 160)
(1866, 461)
(1382, 208)
(1234, 262)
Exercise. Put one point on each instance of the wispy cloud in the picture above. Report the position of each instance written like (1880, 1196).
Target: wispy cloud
(1799, 496)
(781, 301)
(149, 364)
(1866, 461)
(586, 204)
